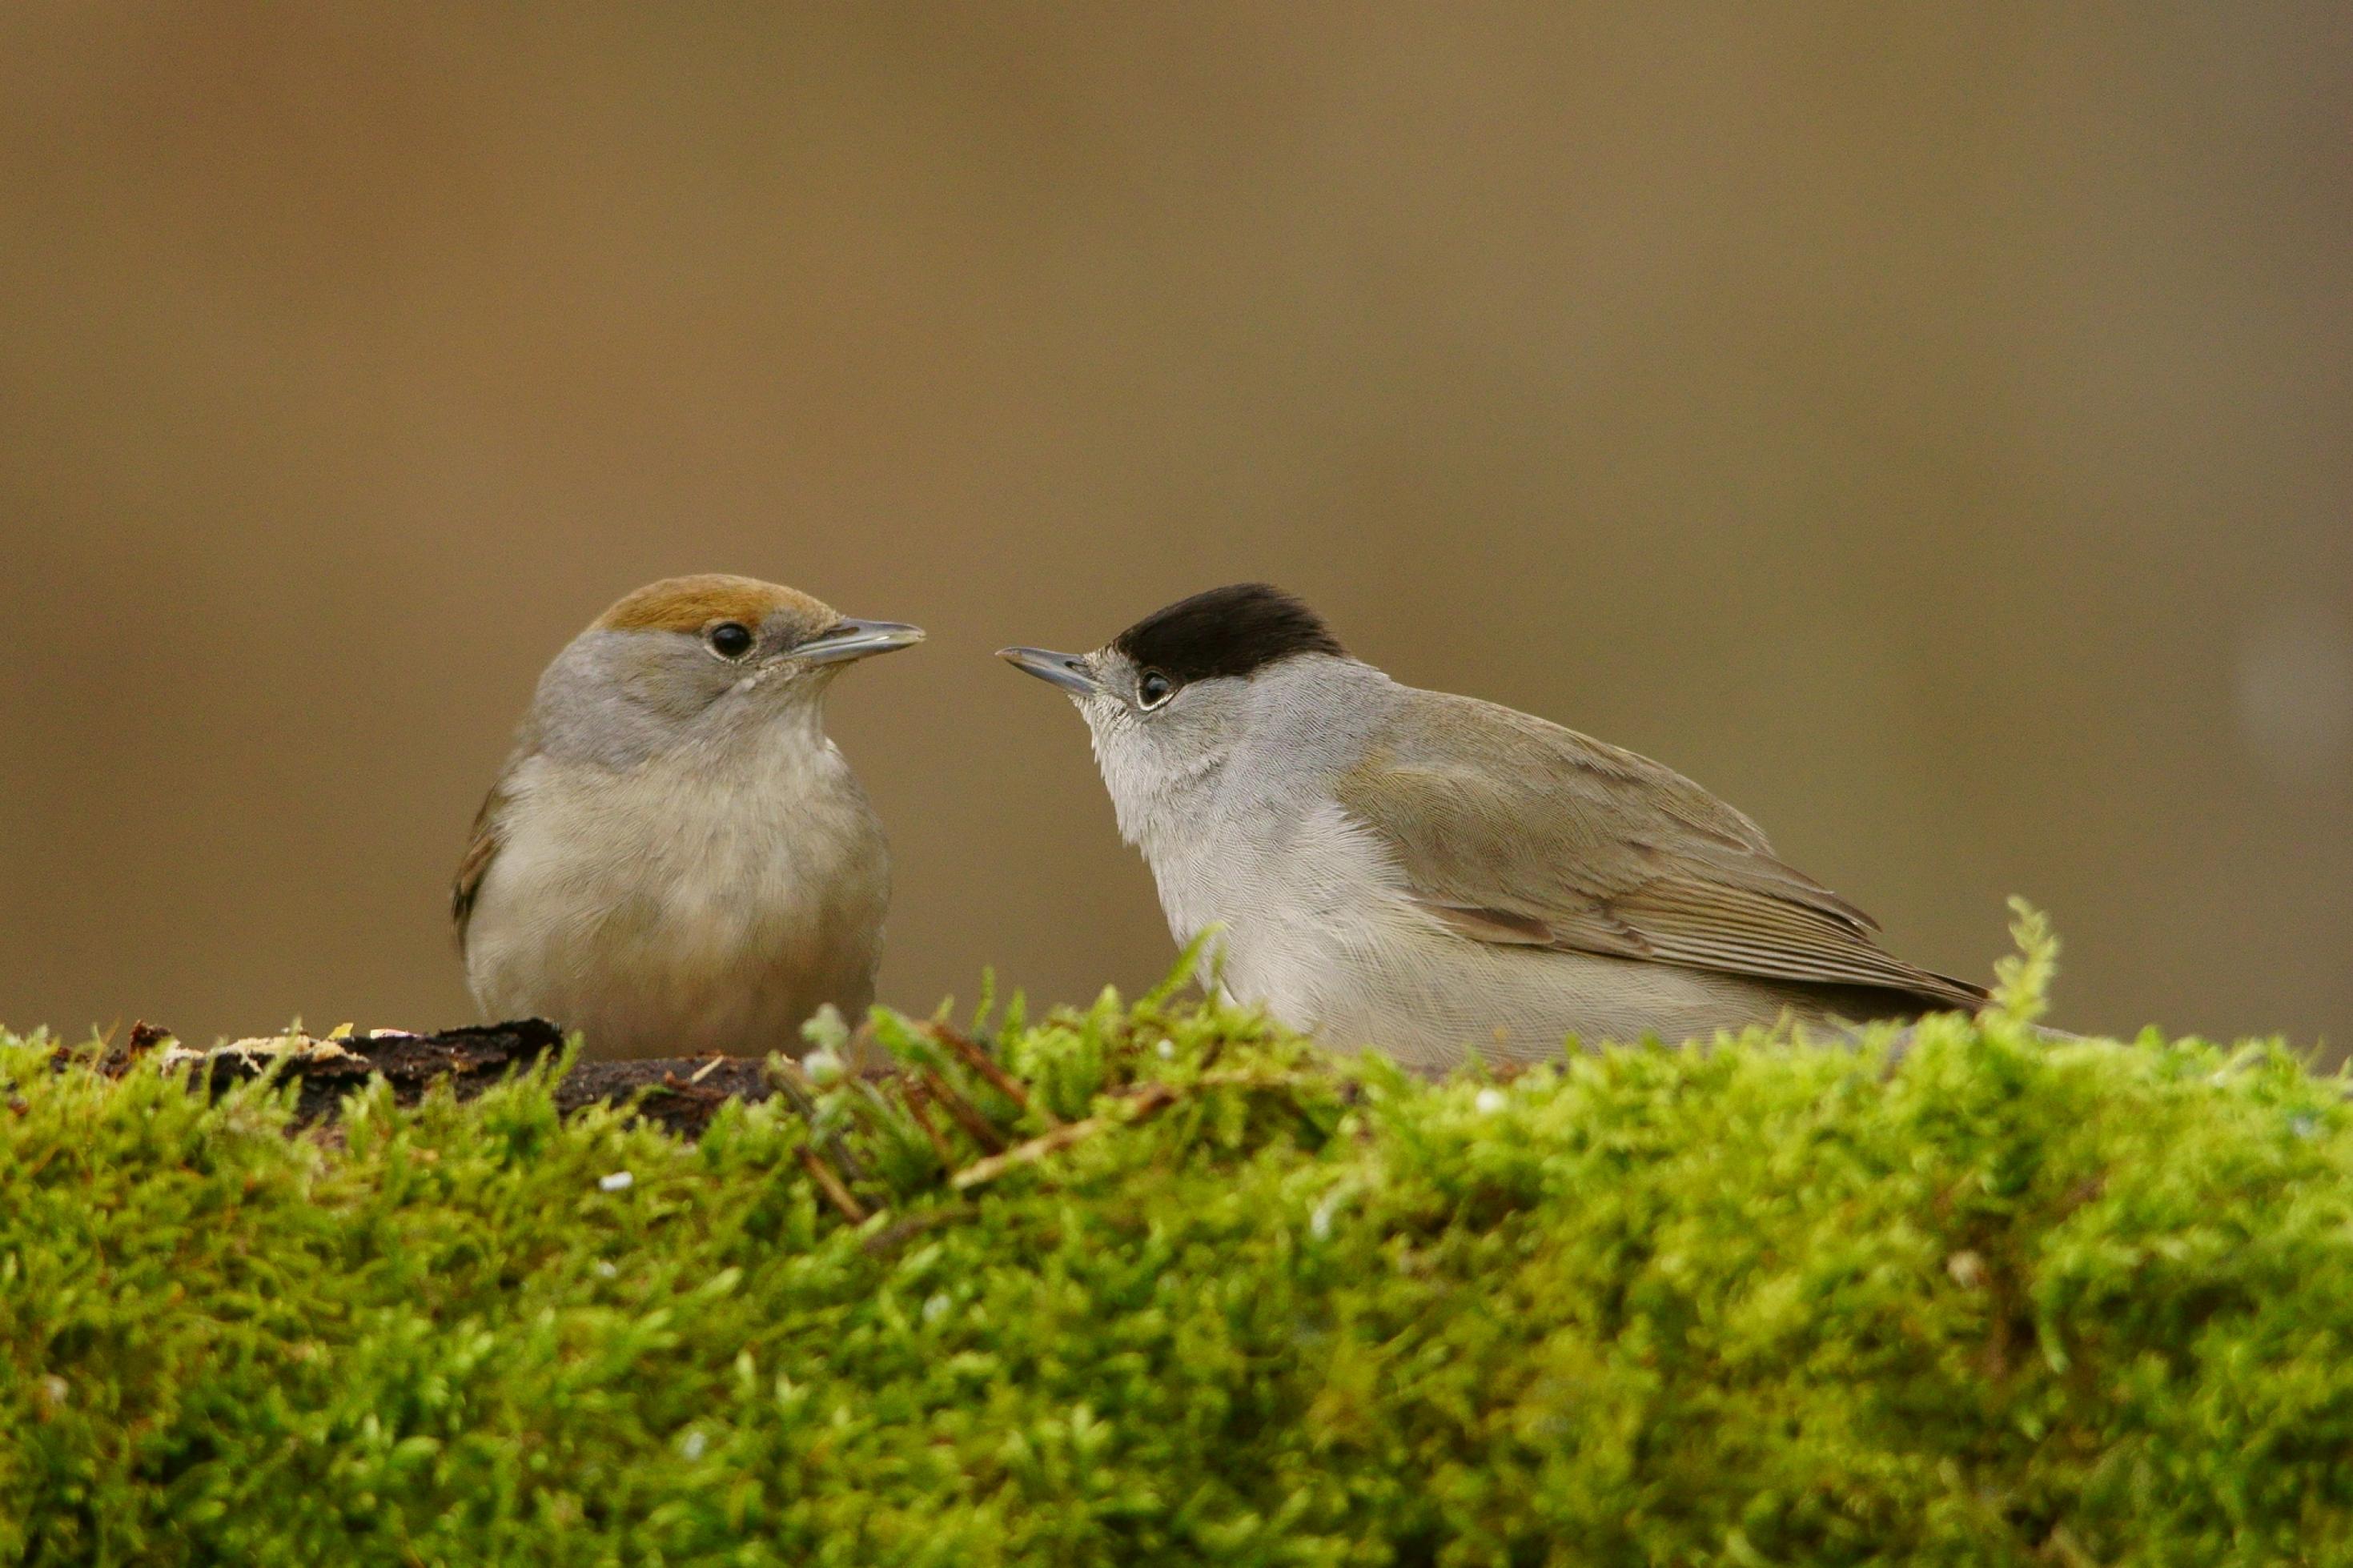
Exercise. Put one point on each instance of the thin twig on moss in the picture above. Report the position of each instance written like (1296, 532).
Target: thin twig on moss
(968, 1115)
(791, 1078)
(988, 1067)
(912, 1091)
(844, 1201)
(1155, 1098)
(1149, 1101)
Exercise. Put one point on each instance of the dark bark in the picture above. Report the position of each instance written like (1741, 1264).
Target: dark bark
(681, 1093)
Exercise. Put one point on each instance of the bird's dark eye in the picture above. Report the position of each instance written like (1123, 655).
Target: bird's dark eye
(1152, 689)
(729, 640)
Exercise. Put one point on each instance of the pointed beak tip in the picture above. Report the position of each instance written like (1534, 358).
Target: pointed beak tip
(854, 639)
(1066, 670)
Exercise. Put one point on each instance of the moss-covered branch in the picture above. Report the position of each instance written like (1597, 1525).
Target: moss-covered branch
(1215, 1297)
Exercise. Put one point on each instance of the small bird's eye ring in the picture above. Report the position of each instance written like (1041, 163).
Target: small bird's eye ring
(1152, 689)
(729, 640)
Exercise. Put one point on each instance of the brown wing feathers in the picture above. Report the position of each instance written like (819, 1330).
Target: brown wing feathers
(1524, 833)
(481, 848)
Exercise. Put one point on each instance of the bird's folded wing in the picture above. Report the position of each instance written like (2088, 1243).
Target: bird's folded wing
(1518, 832)
(481, 848)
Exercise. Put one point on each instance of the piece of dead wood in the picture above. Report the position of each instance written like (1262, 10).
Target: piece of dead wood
(681, 1094)
(683, 1104)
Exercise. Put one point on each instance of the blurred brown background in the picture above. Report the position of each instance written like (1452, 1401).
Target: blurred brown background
(1926, 429)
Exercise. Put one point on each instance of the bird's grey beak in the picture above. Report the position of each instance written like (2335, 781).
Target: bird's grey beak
(1067, 670)
(855, 639)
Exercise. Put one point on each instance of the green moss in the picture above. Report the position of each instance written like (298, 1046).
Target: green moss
(2007, 1302)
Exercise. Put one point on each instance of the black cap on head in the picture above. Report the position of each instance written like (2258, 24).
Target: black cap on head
(1226, 631)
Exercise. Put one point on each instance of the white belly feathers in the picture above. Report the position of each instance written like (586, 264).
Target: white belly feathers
(696, 930)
